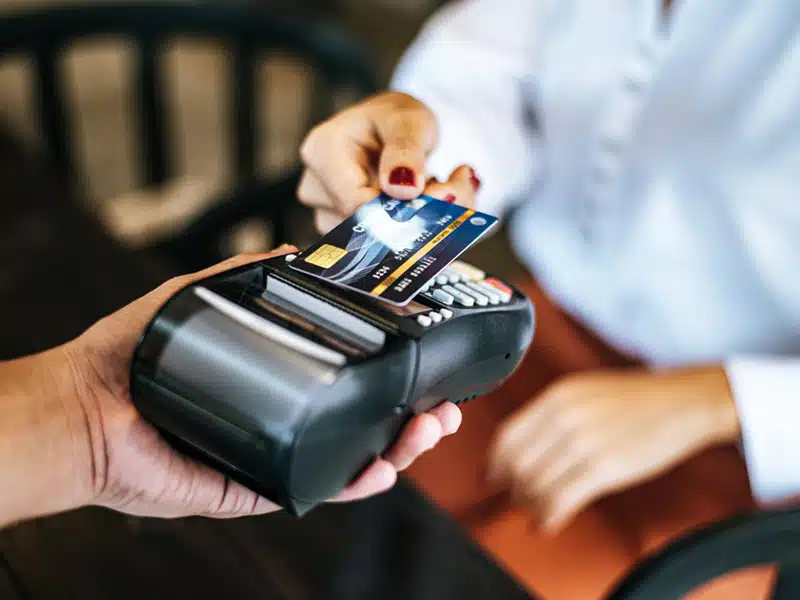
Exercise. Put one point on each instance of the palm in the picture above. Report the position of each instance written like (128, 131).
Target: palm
(144, 476)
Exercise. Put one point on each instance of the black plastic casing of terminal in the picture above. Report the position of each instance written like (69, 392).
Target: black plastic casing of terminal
(294, 426)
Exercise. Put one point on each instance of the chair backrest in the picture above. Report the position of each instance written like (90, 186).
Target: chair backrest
(763, 538)
(43, 35)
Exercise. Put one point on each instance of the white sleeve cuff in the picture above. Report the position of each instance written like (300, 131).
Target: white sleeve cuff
(767, 396)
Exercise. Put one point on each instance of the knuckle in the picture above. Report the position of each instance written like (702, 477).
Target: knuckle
(401, 99)
(302, 187)
(392, 100)
(503, 437)
(605, 467)
(407, 103)
(569, 421)
(586, 445)
(404, 137)
(559, 389)
(322, 222)
(306, 150)
(313, 143)
(403, 142)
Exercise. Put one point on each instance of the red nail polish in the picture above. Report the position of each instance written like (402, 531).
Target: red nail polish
(401, 176)
(473, 179)
(449, 198)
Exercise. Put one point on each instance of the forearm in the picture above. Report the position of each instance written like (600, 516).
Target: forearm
(43, 433)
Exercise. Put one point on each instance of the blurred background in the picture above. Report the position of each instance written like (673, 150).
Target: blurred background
(152, 177)
(177, 124)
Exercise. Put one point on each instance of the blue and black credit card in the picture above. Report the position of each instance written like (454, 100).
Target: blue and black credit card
(390, 248)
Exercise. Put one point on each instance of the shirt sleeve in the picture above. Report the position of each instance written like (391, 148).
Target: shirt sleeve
(471, 65)
(767, 396)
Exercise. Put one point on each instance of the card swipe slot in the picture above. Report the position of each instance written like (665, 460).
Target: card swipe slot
(270, 330)
(333, 318)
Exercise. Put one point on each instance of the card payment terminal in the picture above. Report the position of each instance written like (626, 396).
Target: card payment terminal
(292, 386)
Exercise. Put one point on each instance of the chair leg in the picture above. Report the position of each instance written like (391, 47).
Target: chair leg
(787, 584)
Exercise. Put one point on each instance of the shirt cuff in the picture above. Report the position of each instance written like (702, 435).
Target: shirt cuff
(767, 396)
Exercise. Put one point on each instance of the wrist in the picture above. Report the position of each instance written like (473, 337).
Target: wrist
(45, 441)
(718, 401)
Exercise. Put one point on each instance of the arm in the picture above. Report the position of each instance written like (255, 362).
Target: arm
(44, 452)
(70, 435)
(595, 433)
(458, 110)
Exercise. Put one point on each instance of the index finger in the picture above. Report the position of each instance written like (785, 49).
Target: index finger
(342, 168)
(517, 432)
(379, 477)
(408, 136)
(567, 501)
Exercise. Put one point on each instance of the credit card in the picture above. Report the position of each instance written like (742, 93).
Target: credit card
(389, 249)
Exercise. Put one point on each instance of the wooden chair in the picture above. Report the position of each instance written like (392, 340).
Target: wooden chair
(246, 32)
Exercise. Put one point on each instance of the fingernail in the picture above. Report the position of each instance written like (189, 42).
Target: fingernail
(402, 176)
(449, 198)
(473, 179)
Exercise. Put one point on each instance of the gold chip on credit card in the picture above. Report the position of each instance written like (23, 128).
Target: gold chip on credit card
(326, 256)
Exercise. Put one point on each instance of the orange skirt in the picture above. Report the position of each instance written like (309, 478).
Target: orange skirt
(606, 540)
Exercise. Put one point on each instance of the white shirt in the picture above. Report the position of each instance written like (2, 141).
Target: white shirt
(654, 167)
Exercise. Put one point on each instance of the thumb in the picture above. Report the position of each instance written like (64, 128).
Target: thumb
(408, 135)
